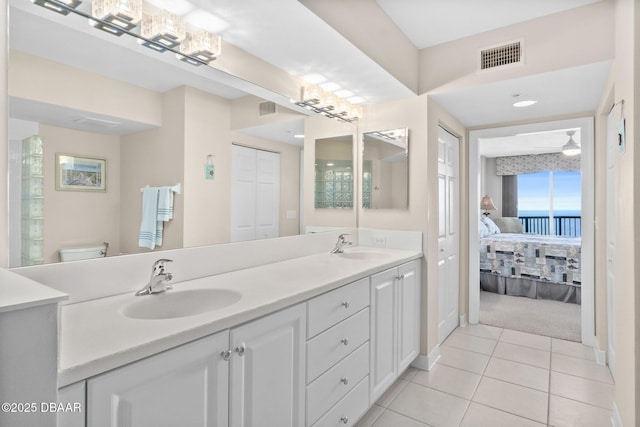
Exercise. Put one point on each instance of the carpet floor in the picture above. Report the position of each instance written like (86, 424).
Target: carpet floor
(543, 317)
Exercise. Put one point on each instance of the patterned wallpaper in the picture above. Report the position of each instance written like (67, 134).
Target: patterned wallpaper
(557, 162)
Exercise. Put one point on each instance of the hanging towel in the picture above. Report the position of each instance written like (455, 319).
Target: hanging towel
(165, 211)
(149, 223)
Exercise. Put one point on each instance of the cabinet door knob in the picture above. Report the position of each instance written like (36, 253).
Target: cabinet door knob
(344, 380)
(346, 304)
(345, 341)
(241, 349)
(226, 354)
(400, 277)
(344, 420)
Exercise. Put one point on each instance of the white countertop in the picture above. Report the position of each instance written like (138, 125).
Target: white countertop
(17, 292)
(96, 337)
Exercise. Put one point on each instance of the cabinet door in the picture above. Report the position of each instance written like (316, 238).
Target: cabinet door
(267, 383)
(383, 332)
(186, 386)
(74, 396)
(408, 314)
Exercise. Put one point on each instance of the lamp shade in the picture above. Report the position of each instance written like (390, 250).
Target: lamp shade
(487, 204)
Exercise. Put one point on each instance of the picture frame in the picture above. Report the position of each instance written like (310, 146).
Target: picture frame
(79, 173)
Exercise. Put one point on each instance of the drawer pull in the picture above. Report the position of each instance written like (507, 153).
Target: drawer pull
(344, 380)
(346, 304)
(241, 349)
(400, 277)
(345, 341)
(226, 355)
(344, 420)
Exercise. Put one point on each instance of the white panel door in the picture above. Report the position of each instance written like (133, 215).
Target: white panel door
(612, 153)
(267, 194)
(187, 386)
(448, 234)
(267, 379)
(255, 194)
(383, 326)
(408, 314)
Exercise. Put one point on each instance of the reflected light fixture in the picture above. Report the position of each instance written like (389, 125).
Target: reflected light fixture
(201, 44)
(571, 148)
(487, 204)
(123, 14)
(164, 29)
(320, 101)
(59, 6)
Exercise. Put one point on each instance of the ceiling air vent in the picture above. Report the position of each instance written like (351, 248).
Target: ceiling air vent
(267, 108)
(498, 56)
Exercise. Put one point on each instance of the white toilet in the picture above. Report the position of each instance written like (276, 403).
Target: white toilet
(84, 252)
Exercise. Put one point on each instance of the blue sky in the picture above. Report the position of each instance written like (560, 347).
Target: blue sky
(533, 191)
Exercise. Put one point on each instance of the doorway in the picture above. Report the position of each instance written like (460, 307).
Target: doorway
(587, 211)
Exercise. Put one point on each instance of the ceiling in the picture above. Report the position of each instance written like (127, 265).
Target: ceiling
(529, 143)
(289, 36)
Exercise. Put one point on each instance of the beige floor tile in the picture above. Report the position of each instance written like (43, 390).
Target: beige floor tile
(449, 380)
(574, 349)
(526, 339)
(483, 416)
(586, 391)
(462, 359)
(409, 373)
(429, 406)
(580, 368)
(484, 331)
(471, 343)
(393, 419)
(518, 373)
(569, 413)
(370, 417)
(391, 393)
(527, 355)
(515, 399)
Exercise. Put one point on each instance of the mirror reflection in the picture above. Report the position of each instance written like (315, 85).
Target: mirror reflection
(334, 172)
(147, 120)
(385, 169)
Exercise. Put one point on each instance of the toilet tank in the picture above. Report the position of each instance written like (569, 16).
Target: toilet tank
(83, 252)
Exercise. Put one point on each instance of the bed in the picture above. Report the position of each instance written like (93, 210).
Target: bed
(535, 266)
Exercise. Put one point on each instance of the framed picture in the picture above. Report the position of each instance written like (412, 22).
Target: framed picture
(75, 173)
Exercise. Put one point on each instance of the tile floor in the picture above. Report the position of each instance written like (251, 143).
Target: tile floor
(493, 377)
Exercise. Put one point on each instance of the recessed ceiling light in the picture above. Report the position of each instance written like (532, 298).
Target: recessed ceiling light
(525, 103)
(330, 86)
(356, 100)
(298, 136)
(314, 79)
(329, 164)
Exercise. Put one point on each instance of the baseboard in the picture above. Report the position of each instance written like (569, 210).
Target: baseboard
(601, 356)
(426, 363)
(616, 421)
(463, 321)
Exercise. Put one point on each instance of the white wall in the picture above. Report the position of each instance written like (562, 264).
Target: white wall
(491, 184)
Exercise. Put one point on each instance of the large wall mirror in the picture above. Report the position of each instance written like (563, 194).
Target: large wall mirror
(385, 169)
(145, 118)
(334, 172)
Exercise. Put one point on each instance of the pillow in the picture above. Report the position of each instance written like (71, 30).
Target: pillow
(509, 225)
(491, 226)
(484, 231)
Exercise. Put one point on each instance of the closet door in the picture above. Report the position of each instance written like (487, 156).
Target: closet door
(255, 194)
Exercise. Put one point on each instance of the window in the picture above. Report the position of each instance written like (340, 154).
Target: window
(550, 202)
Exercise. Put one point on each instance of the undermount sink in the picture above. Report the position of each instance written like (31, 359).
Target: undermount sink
(363, 255)
(173, 304)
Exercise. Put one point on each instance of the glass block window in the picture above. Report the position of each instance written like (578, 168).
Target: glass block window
(334, 184)
(367, 183)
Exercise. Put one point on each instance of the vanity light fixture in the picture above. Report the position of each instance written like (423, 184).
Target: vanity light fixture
(202, 45)
(571, 148)
(123, 14)
(164, 29)
(62, 7)
(327, 103)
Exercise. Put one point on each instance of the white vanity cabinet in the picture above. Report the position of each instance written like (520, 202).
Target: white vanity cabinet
(395, 324)
(338, 356)
(184, 386)
(72, 397)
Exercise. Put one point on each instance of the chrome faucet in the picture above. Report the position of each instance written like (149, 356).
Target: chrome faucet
(159, 280)
(340, 243)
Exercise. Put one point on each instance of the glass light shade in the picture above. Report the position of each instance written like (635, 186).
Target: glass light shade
(355, 113)
(328, 101)
(123, 13)
(311, 94)
(342, 107)
(164, 28)
(56, 8)
(202, 44)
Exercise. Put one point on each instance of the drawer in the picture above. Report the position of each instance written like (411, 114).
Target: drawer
(331, 386)
(331, 346)
(326, 310)
(349, 409)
